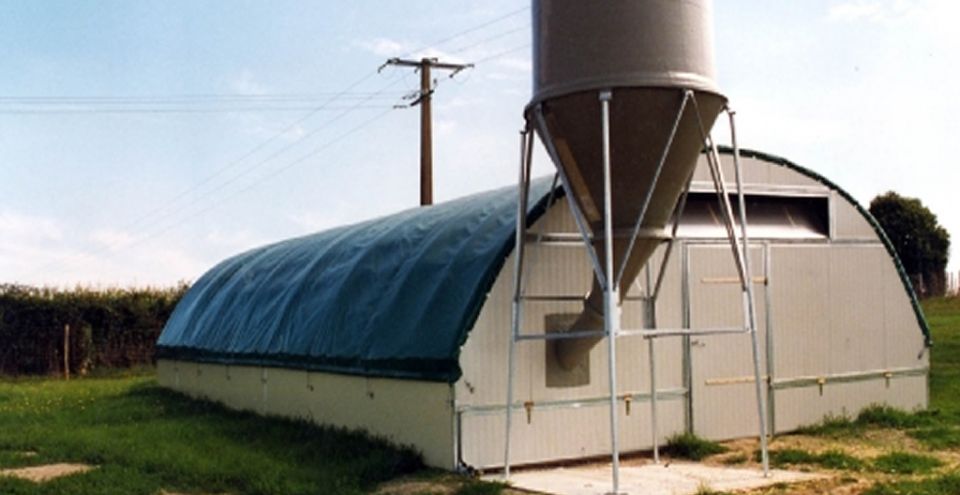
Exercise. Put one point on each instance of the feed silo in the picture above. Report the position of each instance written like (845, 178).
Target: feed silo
(624, 98)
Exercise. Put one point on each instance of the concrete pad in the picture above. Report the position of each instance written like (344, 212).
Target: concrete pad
(651, 479)
(47, 472)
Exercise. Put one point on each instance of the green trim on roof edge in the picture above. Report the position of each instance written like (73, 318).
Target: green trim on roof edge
(904, 279)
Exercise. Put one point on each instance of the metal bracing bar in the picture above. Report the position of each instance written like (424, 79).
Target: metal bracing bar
(748, 287)
(651, 318)
(629, 332)
(526, 148)
(653, 185)
(678, 214)
(716, 173)
(611, 319)
(676, 332)
(541, 124)
(668, 394)
(648, 233)
(553, 192)
(740, 257)
(575, 334)
(552, 298)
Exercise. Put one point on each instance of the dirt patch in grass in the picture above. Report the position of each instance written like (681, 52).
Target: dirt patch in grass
(47, 472)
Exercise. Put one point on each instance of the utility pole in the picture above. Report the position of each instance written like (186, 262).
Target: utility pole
(425, 65)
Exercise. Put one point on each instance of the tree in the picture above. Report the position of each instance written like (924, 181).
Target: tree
(920, 241)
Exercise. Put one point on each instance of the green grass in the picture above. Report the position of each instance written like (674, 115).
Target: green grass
(831, 459)
(690, 446)
(477, 487)
(145, 439)
(735, 459)
(938, 485)
(905, 463)
(943, 315)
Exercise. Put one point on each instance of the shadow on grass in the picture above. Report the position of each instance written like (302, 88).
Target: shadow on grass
(145, 438)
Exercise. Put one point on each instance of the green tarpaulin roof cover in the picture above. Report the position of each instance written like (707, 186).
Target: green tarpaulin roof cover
(392, 297)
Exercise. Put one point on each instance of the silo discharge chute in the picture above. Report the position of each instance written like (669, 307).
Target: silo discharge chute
(624, 98)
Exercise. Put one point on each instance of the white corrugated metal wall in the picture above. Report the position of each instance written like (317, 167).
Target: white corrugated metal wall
(832, 312)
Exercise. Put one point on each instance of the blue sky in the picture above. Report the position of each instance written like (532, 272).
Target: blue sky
(858, 90)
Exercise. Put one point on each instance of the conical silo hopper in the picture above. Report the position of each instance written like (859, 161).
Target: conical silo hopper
(651, 55)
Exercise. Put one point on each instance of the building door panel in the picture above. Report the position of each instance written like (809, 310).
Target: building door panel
(722, 394)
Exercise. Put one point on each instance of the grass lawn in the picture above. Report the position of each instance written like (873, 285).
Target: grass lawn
(146, 440)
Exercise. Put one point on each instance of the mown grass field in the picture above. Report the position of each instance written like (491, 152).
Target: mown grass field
(146, 440)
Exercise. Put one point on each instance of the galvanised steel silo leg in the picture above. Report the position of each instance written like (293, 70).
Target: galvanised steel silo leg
(651, 317)
(753, 311)
(523, 190)
(741, 257)
(611, 320)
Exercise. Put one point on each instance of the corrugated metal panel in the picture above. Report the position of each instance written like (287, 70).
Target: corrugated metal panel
(755, 172)
(801, 308)
(563, 433)
(849, 223)
(403, 411)
(856, 336)
(560, 270)
(905, 346)
(723, 395)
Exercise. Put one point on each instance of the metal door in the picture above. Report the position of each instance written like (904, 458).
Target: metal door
(720, 373)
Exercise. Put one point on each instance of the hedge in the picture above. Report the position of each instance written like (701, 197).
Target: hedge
(111, 328)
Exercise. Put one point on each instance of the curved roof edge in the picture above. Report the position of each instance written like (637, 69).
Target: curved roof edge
(904, 279)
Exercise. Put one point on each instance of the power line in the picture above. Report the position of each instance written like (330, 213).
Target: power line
(465, 31)
(258, 164)
(491, 38)
(81, 111)
(345, 94)
(200, 98)
(263, 144)
(262, 179)
(501, 54)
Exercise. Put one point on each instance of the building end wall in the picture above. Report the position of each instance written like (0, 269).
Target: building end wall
(405, 412)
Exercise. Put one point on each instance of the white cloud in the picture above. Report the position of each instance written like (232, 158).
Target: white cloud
(28, 228)
(111, 239)
(856, 10)
(385, 47)
(237, 240)
(519, 64)
(246, 84)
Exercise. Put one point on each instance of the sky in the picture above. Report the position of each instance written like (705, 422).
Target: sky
(143, 142)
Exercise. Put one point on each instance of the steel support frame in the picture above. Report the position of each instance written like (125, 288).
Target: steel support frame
(609, 278)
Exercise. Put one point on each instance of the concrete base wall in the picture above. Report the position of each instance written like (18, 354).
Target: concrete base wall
(405, 412)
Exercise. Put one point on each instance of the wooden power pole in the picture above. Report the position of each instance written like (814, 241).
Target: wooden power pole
(425, 65)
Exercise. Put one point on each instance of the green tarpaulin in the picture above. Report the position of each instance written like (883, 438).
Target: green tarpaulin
(391, 297)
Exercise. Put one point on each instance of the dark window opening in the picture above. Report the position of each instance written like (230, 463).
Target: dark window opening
(768, 217)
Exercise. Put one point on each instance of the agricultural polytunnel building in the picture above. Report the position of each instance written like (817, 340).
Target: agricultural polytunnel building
(400, 325)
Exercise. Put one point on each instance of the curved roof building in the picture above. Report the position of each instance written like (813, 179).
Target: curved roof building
(400, 325)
